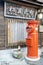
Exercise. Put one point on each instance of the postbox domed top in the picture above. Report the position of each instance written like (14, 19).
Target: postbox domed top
(32, 22)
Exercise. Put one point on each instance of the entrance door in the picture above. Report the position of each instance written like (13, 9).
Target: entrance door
(16, 31)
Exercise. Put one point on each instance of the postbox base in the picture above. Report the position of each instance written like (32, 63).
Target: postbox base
(32, 59)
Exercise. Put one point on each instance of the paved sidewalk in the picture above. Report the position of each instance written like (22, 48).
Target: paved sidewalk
(6, 58)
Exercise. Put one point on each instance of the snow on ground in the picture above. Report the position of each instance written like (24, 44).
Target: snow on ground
(6, 58)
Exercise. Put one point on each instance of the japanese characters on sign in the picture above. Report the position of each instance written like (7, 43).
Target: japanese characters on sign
(19, 11)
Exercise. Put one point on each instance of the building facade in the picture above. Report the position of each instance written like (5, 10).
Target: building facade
(13, 20)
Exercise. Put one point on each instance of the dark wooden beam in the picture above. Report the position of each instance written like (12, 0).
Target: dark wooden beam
(26, 3)
(32, 3)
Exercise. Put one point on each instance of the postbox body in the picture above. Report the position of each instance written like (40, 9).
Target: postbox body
(32, 39)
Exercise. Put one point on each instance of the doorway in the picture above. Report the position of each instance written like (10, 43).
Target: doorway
(16, 31)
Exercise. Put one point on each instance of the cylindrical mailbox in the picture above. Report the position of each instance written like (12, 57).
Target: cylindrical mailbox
(32, 39)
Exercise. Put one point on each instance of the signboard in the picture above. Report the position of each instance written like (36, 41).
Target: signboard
(18, 11)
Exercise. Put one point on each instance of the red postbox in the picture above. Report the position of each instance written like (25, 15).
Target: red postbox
(32, 39)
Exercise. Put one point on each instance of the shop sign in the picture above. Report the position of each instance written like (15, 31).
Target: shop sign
(17, 11)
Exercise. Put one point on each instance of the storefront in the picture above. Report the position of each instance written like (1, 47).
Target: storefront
(15, 18)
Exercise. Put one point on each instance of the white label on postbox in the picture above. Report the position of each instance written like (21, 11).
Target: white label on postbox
(36, 28)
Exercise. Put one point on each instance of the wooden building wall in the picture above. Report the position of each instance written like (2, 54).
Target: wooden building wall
(4, 30)
(2, 27)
